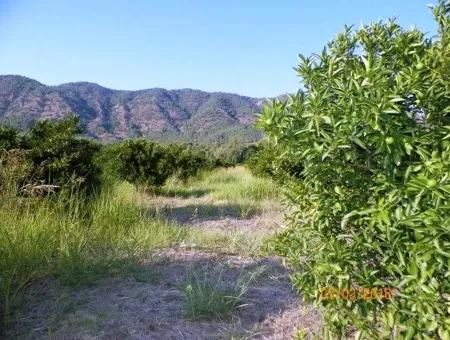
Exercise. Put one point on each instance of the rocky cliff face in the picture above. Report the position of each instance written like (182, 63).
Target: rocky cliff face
(186, 114)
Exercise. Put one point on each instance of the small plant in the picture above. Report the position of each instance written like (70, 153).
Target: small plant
(301, 334)
(211, 298)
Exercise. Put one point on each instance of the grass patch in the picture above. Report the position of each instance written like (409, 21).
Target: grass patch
(228, 187)
(232, 184)
(209, 297)
(251, 244)
(79, 242)
(76, 243)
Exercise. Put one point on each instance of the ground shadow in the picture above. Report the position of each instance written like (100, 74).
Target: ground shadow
(183, 193)
(208, 212)
(154, 309)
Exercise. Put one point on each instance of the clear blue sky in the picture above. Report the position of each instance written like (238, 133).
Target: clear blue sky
(242, 46)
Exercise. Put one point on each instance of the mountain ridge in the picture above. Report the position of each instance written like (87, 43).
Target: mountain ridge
(156, 113)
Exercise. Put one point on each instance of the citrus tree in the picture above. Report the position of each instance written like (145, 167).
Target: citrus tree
(371, 127)
(51, 154)
(142, 162)
(187, 160)
(60, 157)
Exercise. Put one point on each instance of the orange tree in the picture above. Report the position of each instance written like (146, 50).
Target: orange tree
(371, 127)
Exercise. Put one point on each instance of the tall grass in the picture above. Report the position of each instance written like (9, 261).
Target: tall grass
(235, 183)
(75, 242)
(235, 186)
(209, 296)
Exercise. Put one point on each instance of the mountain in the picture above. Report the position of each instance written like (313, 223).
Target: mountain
(188, 115)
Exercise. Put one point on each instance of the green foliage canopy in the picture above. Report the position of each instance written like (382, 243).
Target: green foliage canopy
(61, 157)
(53, 155)
(372, 130)
(268, 160)
(142, 162)
(150, 164)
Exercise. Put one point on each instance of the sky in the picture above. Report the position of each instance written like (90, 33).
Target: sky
(247, 47)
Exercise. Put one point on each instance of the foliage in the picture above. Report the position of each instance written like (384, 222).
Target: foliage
(373, 206)
(188, 161)
(263, 161)
(235, 151)
(143, 162)
(62, 158)
(14, 168)
(268, 160)
(148, 163)
(52, 155)
(9, 138)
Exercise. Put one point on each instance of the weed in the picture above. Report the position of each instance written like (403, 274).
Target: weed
(211, 298)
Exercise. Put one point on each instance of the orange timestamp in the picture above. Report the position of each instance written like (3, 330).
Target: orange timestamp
(359, 293)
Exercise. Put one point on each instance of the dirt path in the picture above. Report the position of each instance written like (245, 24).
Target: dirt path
(150, 302)
(210, 214)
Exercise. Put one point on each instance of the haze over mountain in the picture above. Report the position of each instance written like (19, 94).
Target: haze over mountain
(189, 115)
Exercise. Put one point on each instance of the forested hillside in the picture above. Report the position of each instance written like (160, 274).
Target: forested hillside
(188, 115)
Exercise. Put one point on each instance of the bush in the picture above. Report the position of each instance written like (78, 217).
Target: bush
(268, 161)
(52, 154)
(15, 169)
(9, 138)
(142, 162)
(373, 206)
(150, 164)
(188, 161)
(62, 158)
(234, 152)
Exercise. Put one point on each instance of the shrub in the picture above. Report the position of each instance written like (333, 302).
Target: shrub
(262, 161)
(52, 154)
(142, 162)
(62, 158)
(9, 138)
(372, 208)
(149, 163)
(188, 161)
(234, 152)
(268, 160)
(15, 169)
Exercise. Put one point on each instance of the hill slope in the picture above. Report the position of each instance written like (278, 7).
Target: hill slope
(186, 114)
